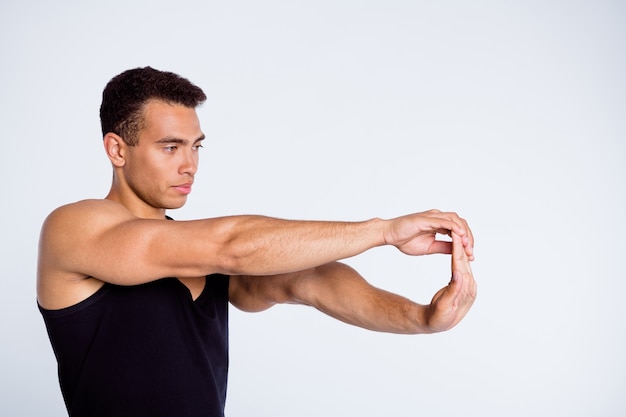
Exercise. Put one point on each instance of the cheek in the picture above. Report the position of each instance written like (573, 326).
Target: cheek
(144, 173)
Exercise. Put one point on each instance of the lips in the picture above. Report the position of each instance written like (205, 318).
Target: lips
(183, 188)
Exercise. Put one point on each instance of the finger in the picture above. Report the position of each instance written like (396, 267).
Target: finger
(458, 247)
(440, 246)
(468, 240)
(460, 259)
(453, 302)
(462, 271)
(443, 222)
(465, 298)
(467, 236)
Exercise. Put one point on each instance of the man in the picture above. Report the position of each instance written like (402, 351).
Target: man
(136, 305)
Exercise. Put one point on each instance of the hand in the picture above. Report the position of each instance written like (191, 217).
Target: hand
(451, 303)
(415, 234)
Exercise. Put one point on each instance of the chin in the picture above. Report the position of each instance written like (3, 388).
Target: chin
(173, 205)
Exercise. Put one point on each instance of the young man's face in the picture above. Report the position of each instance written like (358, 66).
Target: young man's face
(160, 170)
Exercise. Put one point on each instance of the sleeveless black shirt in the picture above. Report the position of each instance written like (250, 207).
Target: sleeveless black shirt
(145, 350)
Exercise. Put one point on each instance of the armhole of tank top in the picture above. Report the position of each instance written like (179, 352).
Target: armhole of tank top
(93, 298)
(211, 286)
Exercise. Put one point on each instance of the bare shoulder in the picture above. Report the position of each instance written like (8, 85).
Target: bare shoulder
(70, 225)
(86, 213)
(64, 234)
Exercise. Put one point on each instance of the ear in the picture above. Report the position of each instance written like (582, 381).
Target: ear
(115, 148)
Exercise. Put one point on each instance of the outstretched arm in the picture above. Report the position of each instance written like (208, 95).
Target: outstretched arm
(102, 239)
(95, 241)
(339, 291)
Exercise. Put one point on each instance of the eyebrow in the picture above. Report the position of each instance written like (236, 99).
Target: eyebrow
(171, 139)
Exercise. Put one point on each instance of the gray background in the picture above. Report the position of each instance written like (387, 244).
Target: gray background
(510, 113)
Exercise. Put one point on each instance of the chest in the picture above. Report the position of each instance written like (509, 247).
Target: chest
(195, 285)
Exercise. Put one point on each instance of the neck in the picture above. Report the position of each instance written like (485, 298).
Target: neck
(135, 205)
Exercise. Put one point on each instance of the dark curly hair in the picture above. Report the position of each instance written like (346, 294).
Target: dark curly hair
(125, 96)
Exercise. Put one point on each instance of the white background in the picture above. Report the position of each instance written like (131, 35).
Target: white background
(510, 113)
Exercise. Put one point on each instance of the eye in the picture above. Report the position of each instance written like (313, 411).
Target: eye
(197, 147)
(170, 149)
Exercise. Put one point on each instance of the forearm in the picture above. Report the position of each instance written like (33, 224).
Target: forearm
(339, 291)
(257, 245)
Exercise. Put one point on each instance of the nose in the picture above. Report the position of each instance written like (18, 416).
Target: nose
(189, 163)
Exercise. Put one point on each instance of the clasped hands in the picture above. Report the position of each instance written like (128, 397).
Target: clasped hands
(416, 235)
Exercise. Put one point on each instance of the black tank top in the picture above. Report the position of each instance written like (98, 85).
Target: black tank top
(145, 350)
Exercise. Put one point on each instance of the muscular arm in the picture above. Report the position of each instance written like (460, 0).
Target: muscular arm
(335, 289)
(339, 291)
(101, 239)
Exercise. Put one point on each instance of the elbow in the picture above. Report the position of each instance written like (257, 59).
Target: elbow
(233, 260)
(248, 256)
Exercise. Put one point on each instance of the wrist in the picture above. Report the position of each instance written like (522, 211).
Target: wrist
(378, 227)
(423, 314)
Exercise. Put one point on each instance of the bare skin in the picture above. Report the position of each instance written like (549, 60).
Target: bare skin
(124, 239)
(339, 291)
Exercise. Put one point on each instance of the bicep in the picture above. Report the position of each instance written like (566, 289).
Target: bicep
(326, 284)
(108, 243)
(258, 293)
(243, 293)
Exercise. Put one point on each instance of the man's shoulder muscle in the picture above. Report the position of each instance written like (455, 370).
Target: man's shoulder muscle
(64, 232)
(88, 210)
(67, 227)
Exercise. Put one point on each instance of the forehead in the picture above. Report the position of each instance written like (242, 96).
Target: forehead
(164, 119)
